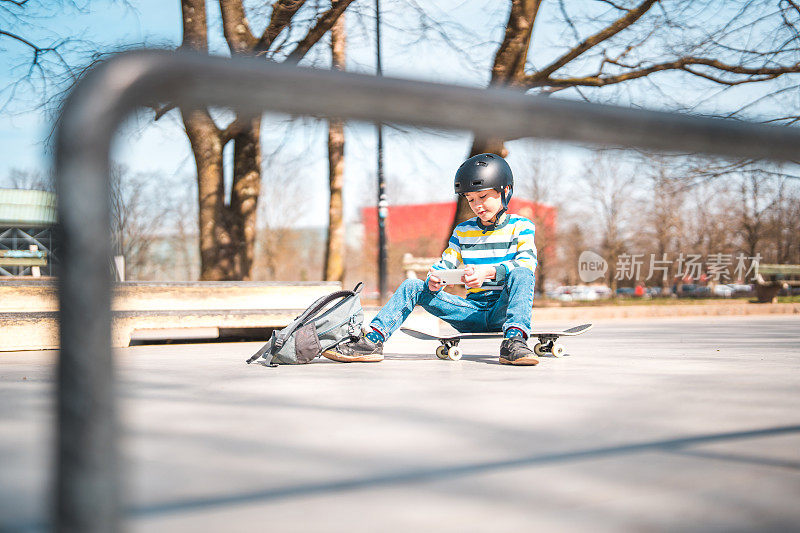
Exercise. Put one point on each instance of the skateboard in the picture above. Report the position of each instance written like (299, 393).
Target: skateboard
(548, 340)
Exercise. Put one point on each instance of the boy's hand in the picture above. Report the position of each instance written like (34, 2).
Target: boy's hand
(475, 275)
(434, 283)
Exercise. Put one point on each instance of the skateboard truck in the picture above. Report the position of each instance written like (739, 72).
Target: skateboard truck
(449, 349)
(547, 345)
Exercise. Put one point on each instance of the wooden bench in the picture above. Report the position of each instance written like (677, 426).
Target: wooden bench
(33, 258)
(770, 279)
(417, 267)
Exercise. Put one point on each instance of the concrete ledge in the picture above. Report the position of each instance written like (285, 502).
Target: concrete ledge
(32, 296)
(29, 321)
(39, 331)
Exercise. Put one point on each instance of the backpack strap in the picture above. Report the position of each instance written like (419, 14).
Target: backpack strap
(267, 348)
(320, 304)
(279, 337)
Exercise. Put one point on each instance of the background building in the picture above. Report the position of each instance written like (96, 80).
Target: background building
(423, 229)
(27, 219)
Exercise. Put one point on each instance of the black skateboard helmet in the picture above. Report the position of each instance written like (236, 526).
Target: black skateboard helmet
(485, 171)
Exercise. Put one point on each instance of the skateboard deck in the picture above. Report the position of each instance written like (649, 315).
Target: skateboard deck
(548, 340)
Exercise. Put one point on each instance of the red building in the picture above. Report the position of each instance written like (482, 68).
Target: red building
(423, 229)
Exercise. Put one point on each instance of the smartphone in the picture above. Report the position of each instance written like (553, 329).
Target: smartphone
(451, 276)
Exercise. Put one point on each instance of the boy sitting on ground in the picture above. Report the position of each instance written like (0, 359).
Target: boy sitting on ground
(499, 256)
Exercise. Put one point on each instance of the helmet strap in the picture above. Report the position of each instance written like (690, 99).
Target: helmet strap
(502, 211)
(504, 201)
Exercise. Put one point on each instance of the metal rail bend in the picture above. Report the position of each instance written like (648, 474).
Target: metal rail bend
(88, 476)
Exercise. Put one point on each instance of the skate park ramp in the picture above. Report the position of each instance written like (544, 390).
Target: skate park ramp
(645, 425)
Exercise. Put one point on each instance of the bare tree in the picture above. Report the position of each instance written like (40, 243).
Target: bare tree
(45, 63)
(783, 225)
(614, 43)
(573, 241)
(228, 224)
(137, 216)
(664, 218)
(39, 57)
(281, 199)
(756, 200)
(30, 180)
(537, 180)
(334, 248)
(611, 190)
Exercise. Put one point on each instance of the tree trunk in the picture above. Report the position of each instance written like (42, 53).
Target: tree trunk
(541, 271)
(215, 239)
(334, 250)
(206, 141)
(195, 26)
(509, 62)
(507, 70)
(244, 198)
(228, 228)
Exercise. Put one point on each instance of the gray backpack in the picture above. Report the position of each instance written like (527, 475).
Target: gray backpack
(326, 323)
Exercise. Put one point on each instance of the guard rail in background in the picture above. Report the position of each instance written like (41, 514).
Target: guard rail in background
(88, 475)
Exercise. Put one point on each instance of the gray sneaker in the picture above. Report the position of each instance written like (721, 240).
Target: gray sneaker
(515, 351)
(361, 351)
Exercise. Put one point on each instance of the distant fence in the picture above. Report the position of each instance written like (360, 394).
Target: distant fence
(88, 476)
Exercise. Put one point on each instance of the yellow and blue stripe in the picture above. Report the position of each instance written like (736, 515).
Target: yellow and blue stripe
(508, 246)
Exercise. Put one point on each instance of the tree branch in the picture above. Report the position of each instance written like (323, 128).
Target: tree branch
(24, 41)
(163, 110)
(614, 5)
(511, 56)
(323, 25)
(233, 130)
(234, 25)
(598, 80)
(282, 13)
(614, 28)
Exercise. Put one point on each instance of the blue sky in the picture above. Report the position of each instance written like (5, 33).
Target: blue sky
(22, 130)
(161, 148)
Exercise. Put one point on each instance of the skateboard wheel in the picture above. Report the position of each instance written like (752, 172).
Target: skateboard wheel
(441, 352)
(558, 349)
(539, 350)
(454, 353)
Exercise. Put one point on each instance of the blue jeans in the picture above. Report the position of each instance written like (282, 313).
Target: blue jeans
(512, 308)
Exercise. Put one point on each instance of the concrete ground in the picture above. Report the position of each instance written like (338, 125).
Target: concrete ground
(687, 424)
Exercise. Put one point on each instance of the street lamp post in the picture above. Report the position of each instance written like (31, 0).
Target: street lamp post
(383, 205)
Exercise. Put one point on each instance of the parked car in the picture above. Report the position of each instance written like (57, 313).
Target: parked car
(653, 292)
(740, 289)
(701, 291)
(726, 291)
(691, 290)
(562, 294)
(602, 291)
(583, 293)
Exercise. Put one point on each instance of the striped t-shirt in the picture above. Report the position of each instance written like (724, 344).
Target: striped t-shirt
(508, 246)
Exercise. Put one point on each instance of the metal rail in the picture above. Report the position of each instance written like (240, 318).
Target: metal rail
(88, 471)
